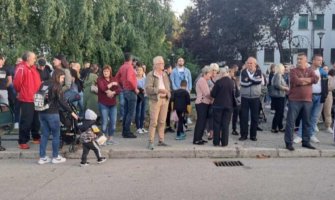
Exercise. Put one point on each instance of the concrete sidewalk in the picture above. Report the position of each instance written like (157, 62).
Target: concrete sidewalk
(268, 145)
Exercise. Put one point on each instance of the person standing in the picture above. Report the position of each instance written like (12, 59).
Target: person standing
(202, 104)
(60, 62)
(5, 81)
(26, 83)
(251, 90)
(300, 100)
(234, 75)
(181, 100)
(179, 73)
(157, 86)
(278, 93)
(168, 71)
(108, 89)
(223, 105)
(50, 120)
(141, 99)
(319, 94)
(126, 77)
(327, 107)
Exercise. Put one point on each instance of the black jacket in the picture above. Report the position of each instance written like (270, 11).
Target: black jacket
(181, 98)
(223, 94)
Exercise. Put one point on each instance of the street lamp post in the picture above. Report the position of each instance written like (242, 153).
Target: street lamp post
(320, 34)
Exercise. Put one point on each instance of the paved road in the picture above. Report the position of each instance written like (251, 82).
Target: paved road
(148, 179)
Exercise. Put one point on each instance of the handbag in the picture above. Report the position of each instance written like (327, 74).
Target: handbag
(101, 139)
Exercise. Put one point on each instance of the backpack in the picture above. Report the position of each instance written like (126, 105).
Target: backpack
(41, 102)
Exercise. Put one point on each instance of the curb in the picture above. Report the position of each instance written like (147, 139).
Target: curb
(229, 152)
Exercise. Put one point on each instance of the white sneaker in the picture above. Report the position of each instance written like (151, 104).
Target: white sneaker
(267, 106)
(189, 121)
(315, 139)
(316, 129)
(16, 125)
(59, 159)
(144, 130)
(112, 142)
(44, 160)
(102, 160)
(139, 131)
(330, 130)
(297, 140)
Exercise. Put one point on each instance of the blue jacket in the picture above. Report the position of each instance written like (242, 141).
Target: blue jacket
(177, 77)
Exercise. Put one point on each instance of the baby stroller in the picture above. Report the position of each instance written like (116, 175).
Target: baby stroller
(69, 127)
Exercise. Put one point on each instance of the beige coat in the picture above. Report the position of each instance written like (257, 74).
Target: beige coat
(152, 85)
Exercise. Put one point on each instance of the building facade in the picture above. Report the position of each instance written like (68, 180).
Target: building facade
(312, 33)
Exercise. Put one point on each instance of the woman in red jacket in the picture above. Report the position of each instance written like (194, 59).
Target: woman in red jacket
(108, 89)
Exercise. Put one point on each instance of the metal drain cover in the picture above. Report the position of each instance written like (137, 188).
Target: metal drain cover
(228, 163)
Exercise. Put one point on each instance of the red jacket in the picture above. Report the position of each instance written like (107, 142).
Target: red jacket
(102, 88)
(26, 81)
(126, 77)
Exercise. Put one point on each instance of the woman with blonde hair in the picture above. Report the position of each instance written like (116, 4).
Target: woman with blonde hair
(278, 92)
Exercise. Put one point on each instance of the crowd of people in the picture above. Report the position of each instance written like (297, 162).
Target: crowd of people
(223, 94)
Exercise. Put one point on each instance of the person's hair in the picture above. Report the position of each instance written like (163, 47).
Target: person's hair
(74, 74)
(2, 57)
(94, 68)
(331, 72)
(127, 57)
(205, 70)
(107, 67)
(183, 83)
(57, 86)
(316, 55)
(167, 66)
(302, 54)
(279, 68)
(154, 60)
(26, 55)
(214, 67)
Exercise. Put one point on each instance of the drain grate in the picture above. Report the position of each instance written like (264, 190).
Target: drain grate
(228, 163)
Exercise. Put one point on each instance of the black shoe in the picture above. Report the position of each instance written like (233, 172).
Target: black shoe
(282, 130)
(234, 133)
(242, 138)
(200, 142)
(169, 129)
(129, 136)
(204, 141)
(274, 131)
(253, 139)
(308, 146)
(290, 147)
(259, 128)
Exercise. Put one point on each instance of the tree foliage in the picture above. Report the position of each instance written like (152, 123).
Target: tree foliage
(94, 30)
(227, 30)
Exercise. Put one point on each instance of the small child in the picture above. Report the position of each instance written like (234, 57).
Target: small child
(181, 100)
(88, 138)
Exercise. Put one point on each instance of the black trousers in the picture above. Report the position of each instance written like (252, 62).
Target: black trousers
(181, 121)
(221, 121)
(252, 105)
(236, 114)
(279, 106)
(168, 116)
(29, 123)
(200, 125)
(86, 149)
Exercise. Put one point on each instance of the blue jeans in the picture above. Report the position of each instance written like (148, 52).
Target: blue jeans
(130, 99)
(108, 112)
(140, 112)
(315, 114)
(50, 123)
(294, 108)
(121, 102)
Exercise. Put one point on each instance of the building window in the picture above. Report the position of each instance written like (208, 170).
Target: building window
(319, 22)
(333, 22)
(269, 56)
(302, 51)
(317, 51)
(286, 56)
(332, 56)
(303, 22)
